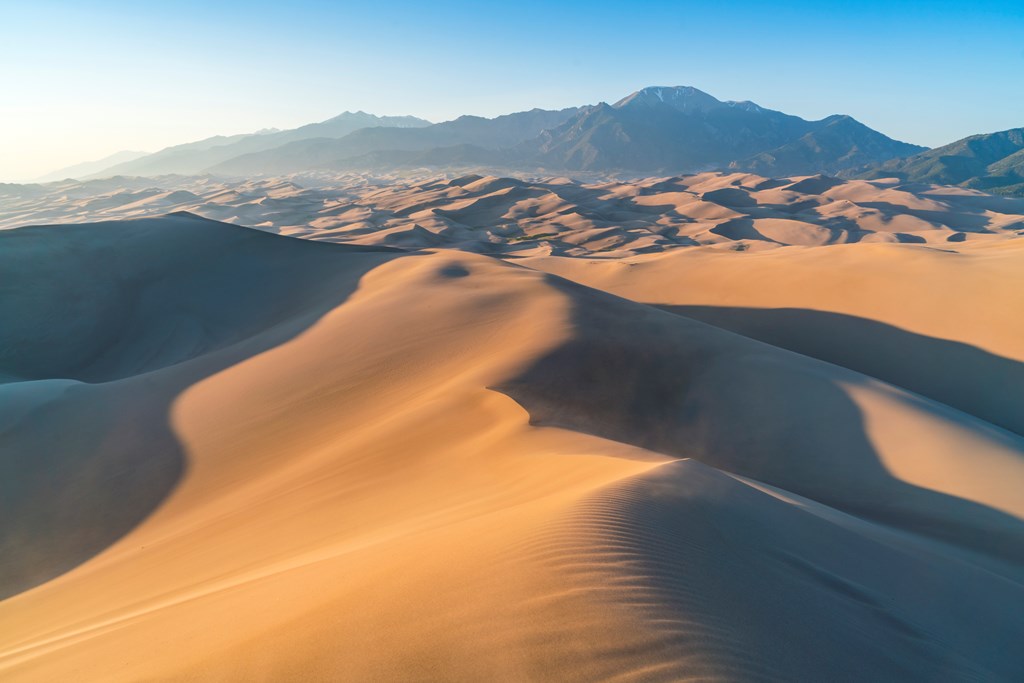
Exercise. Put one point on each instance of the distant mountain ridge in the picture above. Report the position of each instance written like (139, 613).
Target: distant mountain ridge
(683, 129)
(993, 162)
(87, 168)
(197, 157)
(466, 131)
(683, 98)
(655, 130)
(835, 143)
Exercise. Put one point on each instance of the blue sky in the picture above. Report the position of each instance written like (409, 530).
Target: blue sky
(80, 80)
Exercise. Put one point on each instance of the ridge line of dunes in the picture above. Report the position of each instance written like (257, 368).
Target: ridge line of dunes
(600, 217)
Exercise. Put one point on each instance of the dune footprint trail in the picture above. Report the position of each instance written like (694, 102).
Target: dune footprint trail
(271, 459)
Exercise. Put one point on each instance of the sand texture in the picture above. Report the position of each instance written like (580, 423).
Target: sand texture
(710, 428)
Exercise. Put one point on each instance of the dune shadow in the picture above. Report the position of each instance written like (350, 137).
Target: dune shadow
(793, 208)
(641, 376)
(819, 184)
(741, 229)
(84, 464)
(965, 222)
(959, 375)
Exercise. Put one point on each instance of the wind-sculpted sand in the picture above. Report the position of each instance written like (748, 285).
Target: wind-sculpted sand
(551, 216)
(703, 428)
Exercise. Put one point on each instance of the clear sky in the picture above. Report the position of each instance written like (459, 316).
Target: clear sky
(83, 79)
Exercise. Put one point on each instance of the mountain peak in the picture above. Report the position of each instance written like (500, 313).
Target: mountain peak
(349, 115)
(681, 97)
(746, 105)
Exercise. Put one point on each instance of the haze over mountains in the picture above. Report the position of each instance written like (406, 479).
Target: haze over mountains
(91, 168)
(198, 157)
(653, 131)
(467, 139)
(656, 130)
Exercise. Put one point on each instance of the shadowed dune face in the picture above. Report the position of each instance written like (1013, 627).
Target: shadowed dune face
(692, 390)
(960, 375)
(105, 301)
(101, 312)
(287, 460)
(938, 322)
(100, 459)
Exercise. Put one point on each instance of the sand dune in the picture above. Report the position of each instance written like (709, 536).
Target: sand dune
(491, 454)
(606, 218)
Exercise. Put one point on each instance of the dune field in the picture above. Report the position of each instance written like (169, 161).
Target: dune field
(550, 216)
(472, 428)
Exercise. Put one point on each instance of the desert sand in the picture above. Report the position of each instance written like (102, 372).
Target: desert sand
(718, 427)
(543, 216)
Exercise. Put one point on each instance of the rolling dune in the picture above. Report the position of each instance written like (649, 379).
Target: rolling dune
(493, 455)
(546, 216)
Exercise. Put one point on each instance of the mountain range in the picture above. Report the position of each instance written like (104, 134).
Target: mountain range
(90, 168)
(472, 132)
(684, 129)
(993, 162)
(197, 157)
(653, 131)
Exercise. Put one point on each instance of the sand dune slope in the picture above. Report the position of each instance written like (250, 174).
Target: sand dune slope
(939, 322)
(230, 455)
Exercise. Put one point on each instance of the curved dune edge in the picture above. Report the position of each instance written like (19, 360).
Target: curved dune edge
(460, 472)
(935, 322)
(113, 321)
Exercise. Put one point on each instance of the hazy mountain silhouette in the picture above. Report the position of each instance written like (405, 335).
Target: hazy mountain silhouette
(683, 129)
(656, 130)
(836, 143)
(197, 157)
(398, 145)
(993, 162)
(88, 168)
